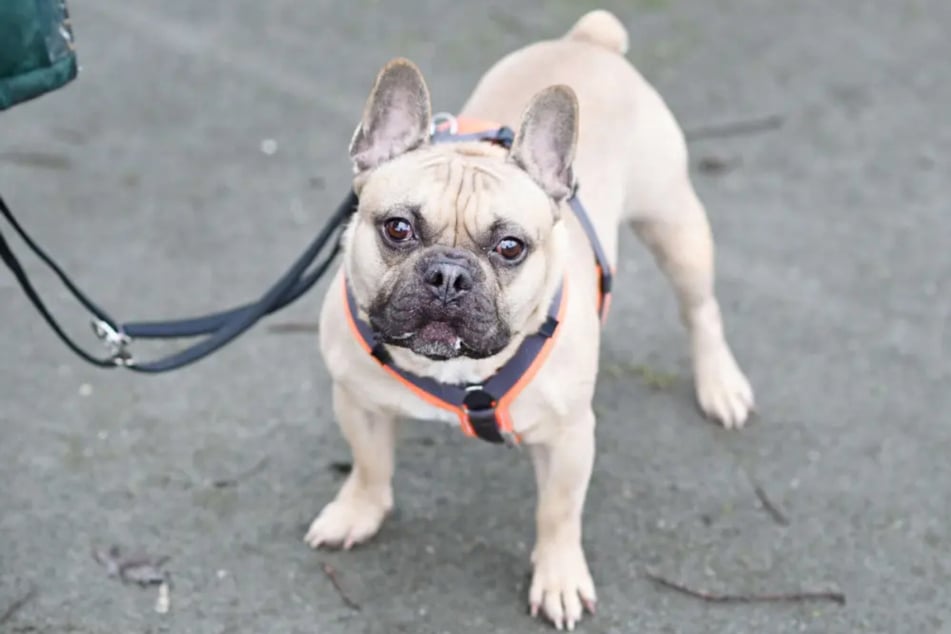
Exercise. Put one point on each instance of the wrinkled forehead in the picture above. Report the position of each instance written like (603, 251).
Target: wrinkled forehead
(459, 192)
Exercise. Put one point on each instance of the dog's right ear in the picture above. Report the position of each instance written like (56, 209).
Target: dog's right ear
(396, 116)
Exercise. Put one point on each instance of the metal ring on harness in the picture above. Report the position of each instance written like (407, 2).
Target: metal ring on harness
(444, 117)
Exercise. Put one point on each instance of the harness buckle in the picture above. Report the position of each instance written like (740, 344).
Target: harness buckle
(115, 340)
(481, 412)
(548, 328)
(504, 136)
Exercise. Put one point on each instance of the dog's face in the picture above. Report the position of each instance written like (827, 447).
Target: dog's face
(455, 248)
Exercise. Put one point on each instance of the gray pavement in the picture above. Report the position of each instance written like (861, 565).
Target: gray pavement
(147, 179)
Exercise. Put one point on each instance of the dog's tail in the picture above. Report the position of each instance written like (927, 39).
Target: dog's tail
(602, 28)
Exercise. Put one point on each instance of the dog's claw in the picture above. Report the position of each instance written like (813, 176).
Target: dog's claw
(313, 543)
(346, 522)
(724, 393)
(533, 610)
(561, 585)
(590, 605)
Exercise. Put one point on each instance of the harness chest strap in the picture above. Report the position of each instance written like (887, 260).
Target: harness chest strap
(482, 409)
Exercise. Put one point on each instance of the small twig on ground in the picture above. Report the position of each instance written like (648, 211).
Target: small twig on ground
(331, 573)
(17, 605)
(770, 507)
(715, 165)
(244, 475)
(144, 570)
(836, 597)
(292, 327)
(735, 128)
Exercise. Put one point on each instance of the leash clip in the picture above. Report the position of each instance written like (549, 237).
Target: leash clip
(115, 340)
(441, 118)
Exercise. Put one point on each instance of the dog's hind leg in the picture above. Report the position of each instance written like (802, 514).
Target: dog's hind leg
(678, 235)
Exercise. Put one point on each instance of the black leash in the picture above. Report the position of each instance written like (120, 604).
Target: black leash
(219, 328)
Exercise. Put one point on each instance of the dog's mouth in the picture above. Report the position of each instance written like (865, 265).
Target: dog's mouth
(409, 317)
(436, 340)
(439, 341)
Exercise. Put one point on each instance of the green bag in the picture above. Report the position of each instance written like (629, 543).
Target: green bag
(36, 49)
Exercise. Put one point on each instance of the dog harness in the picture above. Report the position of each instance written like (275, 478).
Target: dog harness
(483, 408)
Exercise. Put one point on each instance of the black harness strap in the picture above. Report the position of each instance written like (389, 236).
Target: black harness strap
(605, 270)
(220, 328)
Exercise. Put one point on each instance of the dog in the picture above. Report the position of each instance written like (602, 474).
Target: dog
(456, 251)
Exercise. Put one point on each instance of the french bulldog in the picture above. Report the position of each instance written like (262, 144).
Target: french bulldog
(455, 253)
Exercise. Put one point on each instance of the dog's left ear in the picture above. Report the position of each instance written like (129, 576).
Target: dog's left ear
(545, 143)
(395, 118)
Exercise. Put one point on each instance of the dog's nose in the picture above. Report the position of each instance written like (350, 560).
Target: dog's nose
(448, 280)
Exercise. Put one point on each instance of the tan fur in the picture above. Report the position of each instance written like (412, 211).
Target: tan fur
(600, 27)
(631, 163)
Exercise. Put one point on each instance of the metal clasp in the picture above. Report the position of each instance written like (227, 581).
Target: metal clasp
(509, 438)
(115, 340)
(443, 117)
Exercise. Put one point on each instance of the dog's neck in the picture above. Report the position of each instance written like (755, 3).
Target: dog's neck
(476, 148)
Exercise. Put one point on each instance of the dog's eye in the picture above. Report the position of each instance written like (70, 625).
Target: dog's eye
(398, 229)
(510, 248)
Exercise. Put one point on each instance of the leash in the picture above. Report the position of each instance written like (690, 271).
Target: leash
(219, 328)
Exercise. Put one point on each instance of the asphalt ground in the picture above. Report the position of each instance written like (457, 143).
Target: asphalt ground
(148, 178)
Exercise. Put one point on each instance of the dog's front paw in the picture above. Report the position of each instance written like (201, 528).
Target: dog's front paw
(354, 517)
(561, 584)
(723, 391)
